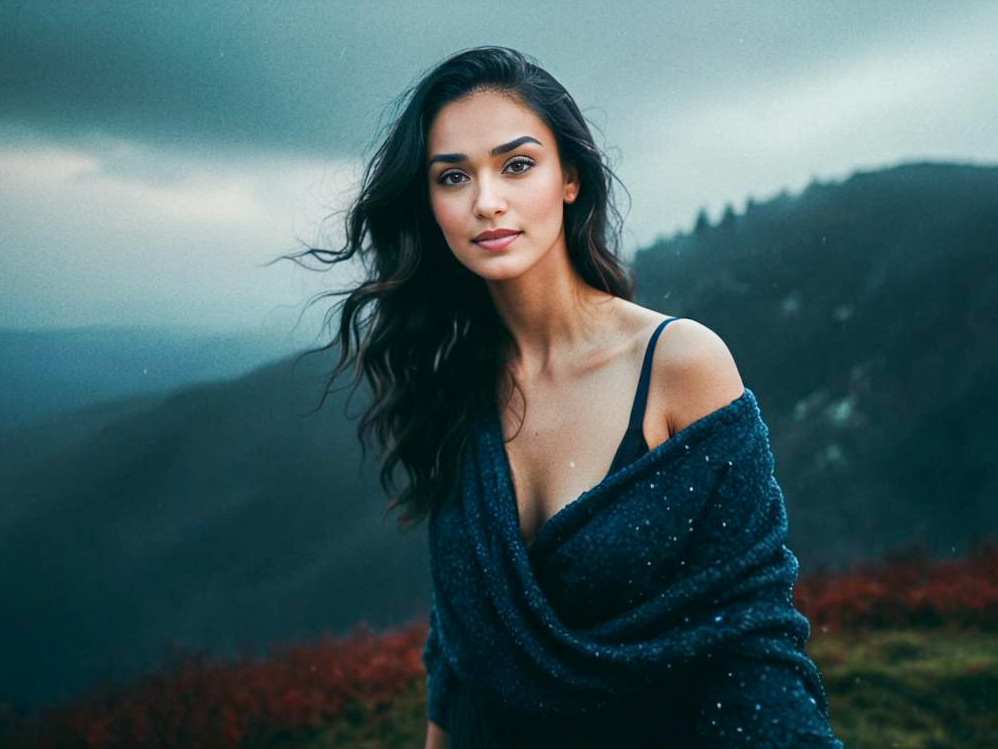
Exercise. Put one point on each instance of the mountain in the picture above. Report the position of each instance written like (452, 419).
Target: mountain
(864, 314)
(221, 516)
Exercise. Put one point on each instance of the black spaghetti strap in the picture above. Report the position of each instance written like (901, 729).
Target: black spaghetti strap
(633, 445)
(641, 396)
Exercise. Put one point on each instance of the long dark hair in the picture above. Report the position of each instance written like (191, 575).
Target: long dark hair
(431, 345)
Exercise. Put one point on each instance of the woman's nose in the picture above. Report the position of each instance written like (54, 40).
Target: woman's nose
(489, 200)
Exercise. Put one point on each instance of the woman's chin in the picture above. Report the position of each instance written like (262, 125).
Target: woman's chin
(496, 267)
(500, 271)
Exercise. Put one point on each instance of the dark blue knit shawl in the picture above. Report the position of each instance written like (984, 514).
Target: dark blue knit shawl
(673, 565)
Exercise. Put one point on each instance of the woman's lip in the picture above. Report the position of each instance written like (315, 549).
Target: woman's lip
(497, 244)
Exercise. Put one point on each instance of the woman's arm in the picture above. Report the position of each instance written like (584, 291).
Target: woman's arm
(436, 737)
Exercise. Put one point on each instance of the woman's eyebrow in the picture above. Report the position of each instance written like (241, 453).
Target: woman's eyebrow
(454, 158)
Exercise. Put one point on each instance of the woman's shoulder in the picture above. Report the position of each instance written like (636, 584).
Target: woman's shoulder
(693, 374)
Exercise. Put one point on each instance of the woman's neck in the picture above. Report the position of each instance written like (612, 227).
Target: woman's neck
(553, 319)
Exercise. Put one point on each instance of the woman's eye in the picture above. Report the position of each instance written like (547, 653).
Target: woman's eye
(516, 166)
(519, 166)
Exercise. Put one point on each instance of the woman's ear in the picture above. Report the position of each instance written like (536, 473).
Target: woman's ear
(571, 183)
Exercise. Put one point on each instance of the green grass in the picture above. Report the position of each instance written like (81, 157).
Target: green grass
(911, 689)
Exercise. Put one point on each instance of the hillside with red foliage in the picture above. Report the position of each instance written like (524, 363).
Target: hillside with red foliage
(297, 692)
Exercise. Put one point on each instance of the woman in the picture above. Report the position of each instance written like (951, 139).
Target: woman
(522, 390)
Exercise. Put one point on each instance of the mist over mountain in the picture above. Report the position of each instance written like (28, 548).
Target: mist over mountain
(48, 372)
(223, 515)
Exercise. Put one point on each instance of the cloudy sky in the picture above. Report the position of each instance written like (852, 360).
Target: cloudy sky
(154, 156)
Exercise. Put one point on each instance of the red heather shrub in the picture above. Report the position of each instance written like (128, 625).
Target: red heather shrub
(908, 589)
(195, 702)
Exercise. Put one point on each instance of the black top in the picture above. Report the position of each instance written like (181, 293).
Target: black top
(633, 445)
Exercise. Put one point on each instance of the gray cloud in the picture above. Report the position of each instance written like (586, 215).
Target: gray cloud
(168, 72)
(315, 76)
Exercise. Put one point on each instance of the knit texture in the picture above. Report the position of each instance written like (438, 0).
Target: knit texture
(656, 607)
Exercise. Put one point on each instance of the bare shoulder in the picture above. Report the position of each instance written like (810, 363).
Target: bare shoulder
(693, 374)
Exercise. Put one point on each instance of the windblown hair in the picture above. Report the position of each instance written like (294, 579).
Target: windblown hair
(426, 334)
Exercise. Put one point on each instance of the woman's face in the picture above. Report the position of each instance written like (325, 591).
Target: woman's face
(493, 164)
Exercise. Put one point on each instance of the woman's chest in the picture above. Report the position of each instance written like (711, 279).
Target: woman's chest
(563, 448)
(570, 438)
